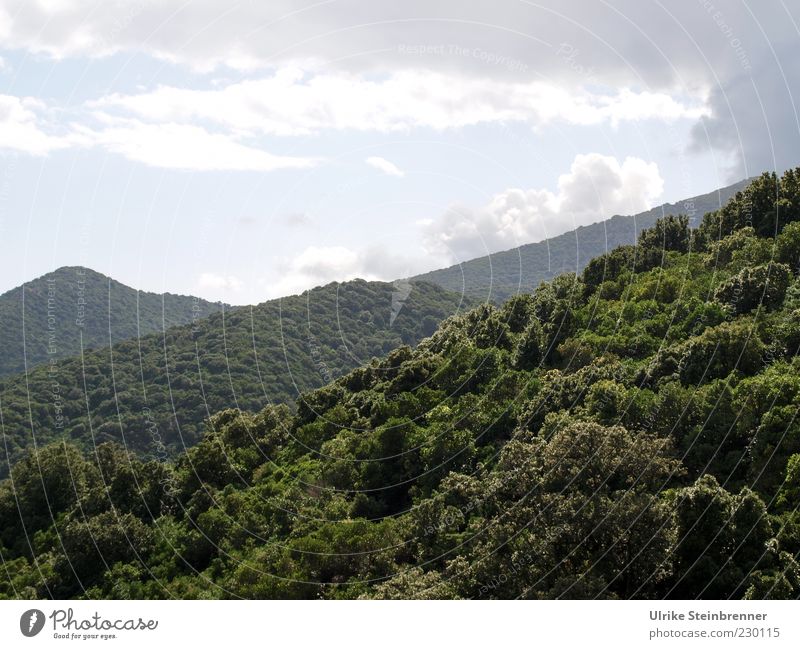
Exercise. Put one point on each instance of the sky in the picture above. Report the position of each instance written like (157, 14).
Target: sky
(246, 151)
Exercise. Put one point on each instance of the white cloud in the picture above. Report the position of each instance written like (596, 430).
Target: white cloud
(220, 284)
(216, 128)
(680, 49)
(382, 164)
(294, 102)
(184, 146)
(627, 105)
(24, 128)
(21, 127)
(315, 266)
(596, 188)
(319, 265)
(205, 34)
(180, 128)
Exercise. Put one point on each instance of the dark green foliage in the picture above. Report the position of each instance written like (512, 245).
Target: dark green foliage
(736, 247)
(75, 308)
(767, 204)
(487, 327)
(722, 539)
(529, 351)
(610, 265)
(153, 393)
(619, 435)
(669, 233)
(517, 312)
(788, 246)
(720, 350)
(762, 286)
(91, 546)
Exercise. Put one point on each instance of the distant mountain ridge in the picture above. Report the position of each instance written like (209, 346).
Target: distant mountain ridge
(72, 308)
(629, 432)
(183, 358)
(154, 392)
(497, 277)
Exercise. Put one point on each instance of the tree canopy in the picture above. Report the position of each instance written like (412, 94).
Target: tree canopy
(626, 432)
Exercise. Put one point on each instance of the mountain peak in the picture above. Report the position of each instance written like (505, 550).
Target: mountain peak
(74, 308)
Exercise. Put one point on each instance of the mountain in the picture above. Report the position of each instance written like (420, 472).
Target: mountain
(153, 392)
(74, 308)
(498, 276)
(627, 433)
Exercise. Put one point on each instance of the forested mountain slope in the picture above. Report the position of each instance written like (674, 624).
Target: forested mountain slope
(153, 393)
(628, 432)
(73, 308)
(497, 277)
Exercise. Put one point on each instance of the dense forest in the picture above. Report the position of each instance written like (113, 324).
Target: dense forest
(153, 393)
(497, 277)
(626, 432)
(74, 309)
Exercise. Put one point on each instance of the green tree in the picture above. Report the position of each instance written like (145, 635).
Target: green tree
(762, 286)
(529, 351)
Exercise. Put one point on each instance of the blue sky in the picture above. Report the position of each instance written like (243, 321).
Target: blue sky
(242, 153)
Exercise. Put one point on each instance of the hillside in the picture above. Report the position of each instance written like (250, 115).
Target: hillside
(153, 393)
(629, 432)
(74, 307)
(497, 277)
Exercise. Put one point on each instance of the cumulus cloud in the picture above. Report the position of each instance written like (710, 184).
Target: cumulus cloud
(222, 285)
(382, 164)
(21, 127)
(595, 188)
(295, 102)
(184, 146)
(445, 34)
(200, 130)
(315, 266)
(736, 59)
(734, 53)
(24, 128)
(318, 265)
(756, 120)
